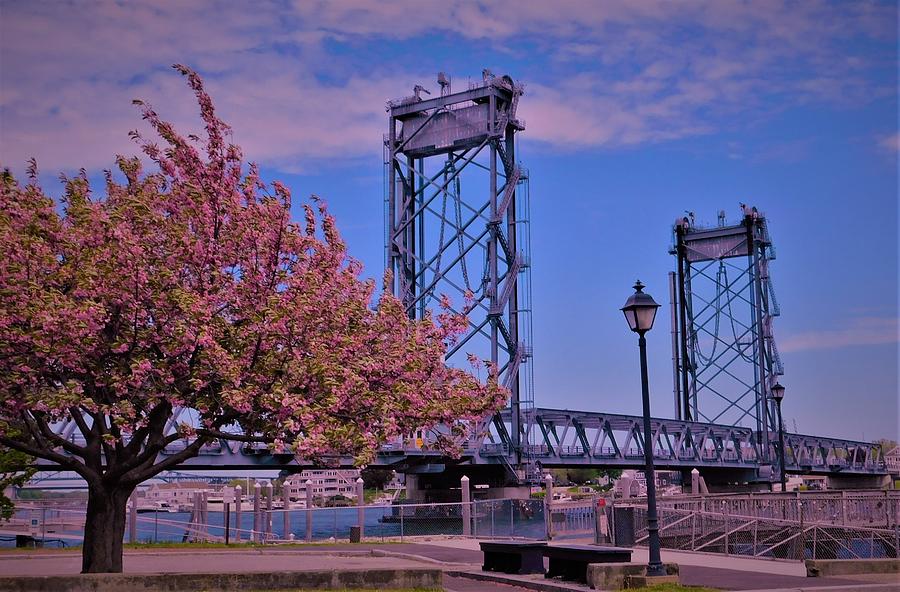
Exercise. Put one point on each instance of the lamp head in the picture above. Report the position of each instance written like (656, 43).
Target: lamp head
(777, 392)
(640, 310)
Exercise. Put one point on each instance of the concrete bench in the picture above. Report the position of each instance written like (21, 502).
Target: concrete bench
(570, 562)
(513, 557)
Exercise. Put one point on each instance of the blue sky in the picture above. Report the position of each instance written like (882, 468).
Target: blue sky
(635, 112)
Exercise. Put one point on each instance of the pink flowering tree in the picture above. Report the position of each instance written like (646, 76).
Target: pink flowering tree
(190, 287)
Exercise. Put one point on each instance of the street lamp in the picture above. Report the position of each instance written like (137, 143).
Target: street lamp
(640, 312)
(777, 396)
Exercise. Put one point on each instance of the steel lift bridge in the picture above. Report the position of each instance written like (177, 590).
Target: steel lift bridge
(457, 224)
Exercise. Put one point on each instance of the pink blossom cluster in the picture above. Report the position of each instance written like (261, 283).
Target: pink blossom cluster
(190, 286)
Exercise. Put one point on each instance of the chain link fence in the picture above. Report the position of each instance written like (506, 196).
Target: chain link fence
(206, 522)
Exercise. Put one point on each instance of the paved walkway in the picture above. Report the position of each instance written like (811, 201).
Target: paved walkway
(716, 571)
(697, 569)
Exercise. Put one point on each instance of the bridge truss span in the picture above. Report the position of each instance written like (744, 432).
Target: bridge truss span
(570, 438)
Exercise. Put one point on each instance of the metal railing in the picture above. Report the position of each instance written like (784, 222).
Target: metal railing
(774, 538)
(874, 509)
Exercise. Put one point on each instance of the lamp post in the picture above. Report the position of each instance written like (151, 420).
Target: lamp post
(777, 396)
(640, 312)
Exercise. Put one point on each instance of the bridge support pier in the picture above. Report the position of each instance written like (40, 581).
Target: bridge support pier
(485, 481)
(859, 481)
(713, 480)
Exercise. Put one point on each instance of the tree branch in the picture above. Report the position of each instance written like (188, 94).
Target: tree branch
(44, 427)
(53, 456)
(78, 418)
(142, 473)
(100, 424)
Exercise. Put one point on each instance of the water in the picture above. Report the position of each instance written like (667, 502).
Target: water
(498, 518)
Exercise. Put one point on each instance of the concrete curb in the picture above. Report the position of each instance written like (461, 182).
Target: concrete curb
(519, 581)
(420, 558)
(879, 587)
(323, 579)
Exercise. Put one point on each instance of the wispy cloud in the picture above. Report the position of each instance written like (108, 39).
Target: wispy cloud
(300, 88)
(857, 332)
(891, 143)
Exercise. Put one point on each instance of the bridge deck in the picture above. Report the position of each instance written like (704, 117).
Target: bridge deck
(567, 438)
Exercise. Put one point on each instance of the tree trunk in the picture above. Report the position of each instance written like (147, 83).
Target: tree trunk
(104, 530)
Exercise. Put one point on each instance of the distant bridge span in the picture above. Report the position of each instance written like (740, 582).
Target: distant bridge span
(567, 438)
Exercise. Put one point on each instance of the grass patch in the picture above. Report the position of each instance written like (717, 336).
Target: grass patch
(352, 590)
(249, 545)
(673, 588)
(190, 546)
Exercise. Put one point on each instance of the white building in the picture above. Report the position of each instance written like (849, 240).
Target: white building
(325, 483)
(632, 483)
(892, 460)
(173, 494)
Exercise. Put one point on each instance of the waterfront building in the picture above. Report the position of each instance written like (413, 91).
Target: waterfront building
(892, 460)
(173, 495)
(632, 483)
(326, 483)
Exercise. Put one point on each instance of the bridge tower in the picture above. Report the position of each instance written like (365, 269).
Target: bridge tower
(457, 222)
(723, 305)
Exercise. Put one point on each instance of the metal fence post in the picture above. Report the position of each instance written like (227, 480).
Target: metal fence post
(887, 514)
(309, 510)
(492, 519)
(801, 537)
(204, 514)
(755, 537)
(694, 529)
(286, 517)
(815, 540)
(727, 526)
(195, 518)
(548, 498)
(361, 507)
(612, 522)
(843, 508)
(466, 498)
(257, 487)
(268, 526)
(238, 501)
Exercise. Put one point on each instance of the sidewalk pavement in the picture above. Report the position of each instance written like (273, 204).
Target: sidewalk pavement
(199, 561)
(719, 571)
(456, 555)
